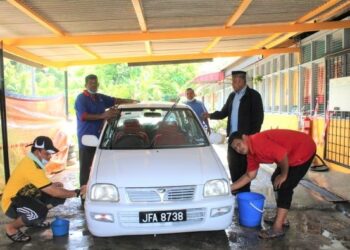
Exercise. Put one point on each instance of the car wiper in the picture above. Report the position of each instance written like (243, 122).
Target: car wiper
(163, 120)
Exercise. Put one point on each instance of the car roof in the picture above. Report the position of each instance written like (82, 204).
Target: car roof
(152, 105)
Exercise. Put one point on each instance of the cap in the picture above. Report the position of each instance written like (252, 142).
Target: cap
(44, 142)
(238, 72)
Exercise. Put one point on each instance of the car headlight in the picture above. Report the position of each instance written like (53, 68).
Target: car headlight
(216, 188)
(104, 192)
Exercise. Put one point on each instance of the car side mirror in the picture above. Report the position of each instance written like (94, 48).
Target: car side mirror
(215, 138)
(89, 140)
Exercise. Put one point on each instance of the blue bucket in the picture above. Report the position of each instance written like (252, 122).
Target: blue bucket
(60, 227)
(250, 208)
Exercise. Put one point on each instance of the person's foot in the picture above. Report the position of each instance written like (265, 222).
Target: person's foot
(271, 219)
(270, 233)
(19, 236)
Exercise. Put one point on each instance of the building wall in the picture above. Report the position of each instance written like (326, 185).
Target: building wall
(294, 86)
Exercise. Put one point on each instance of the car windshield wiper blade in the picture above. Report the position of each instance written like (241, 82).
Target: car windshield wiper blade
(164, 118)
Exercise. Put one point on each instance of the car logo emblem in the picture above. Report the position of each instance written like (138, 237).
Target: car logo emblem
(161, 192)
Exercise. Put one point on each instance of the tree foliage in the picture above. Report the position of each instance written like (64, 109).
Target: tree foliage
(144, 83)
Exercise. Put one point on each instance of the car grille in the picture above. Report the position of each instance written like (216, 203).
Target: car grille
(182, 193)
(131, 219)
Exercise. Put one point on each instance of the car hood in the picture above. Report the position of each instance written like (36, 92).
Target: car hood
(162, 167)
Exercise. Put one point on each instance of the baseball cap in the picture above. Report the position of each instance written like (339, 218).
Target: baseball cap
(44, 142)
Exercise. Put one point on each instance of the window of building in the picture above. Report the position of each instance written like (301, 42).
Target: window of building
(293, 91)
(282, 62)
(307, 90)
(319, 49)
(274, 65)
(284, 92)
(262, 69)
(335, 41)
(306, 53)
(319, 87)
(336, 66)
(268, 68)
(268, 95)
(276, 93)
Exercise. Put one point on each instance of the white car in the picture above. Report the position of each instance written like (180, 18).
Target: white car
(155, 172)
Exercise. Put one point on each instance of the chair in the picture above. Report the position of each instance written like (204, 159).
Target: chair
(132, 135)
(169, 134)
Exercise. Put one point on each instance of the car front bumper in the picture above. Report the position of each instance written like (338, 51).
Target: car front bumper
(202, 215)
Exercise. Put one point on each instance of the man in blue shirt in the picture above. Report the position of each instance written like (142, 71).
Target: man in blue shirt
(198, 107)
(90, 108)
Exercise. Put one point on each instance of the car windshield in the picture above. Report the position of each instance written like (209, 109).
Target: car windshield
(154, 128)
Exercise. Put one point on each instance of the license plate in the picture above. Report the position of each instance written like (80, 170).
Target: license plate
(162, 216)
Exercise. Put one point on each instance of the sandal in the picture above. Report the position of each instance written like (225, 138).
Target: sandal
(19, 237)
(42, 225)
(271, 220)
(270, 234)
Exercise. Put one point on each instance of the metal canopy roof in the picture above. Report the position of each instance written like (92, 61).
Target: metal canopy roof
(82, 32)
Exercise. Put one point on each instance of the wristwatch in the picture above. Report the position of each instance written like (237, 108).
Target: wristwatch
(77, 192)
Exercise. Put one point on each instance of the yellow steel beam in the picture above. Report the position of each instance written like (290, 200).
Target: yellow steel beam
(317, 11)
(153, 58)
(142, 22)
(231, 21)
(29, 12)
(212, 44)
(148, 47)
(139, 14)
(238, 13)
(20, 5)
(87, 51)
(306, 17)
(28, 56)
(334, 11)
(177, 34)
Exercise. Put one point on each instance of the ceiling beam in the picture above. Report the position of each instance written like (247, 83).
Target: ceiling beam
(33, 15)
(304, 18)
(340, 8)
(87, 51)
(177, 34)
(20, 5)
(28, 56)
(238, 13)
(230, 22)
(139, 14)
(142, 22)
(153, 58)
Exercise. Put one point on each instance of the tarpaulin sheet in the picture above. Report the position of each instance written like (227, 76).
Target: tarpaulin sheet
(29, 118)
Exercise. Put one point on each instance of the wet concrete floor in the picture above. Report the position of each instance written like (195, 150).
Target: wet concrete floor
(315, 224)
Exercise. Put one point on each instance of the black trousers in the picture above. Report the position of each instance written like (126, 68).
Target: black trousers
(237, 164)
(86, 155)
(284, 194)
(32, 210)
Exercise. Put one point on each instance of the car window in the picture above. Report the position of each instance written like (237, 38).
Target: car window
(154, 128)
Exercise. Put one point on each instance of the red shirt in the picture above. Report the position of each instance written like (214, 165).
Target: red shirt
(271, 146)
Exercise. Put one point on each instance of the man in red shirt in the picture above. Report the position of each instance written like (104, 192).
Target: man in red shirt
(293, 153)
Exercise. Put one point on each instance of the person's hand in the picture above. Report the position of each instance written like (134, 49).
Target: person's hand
(132, 101)
(205, 115)
(57, 184)
(111, 113)
(279, 180)
(83, 190)
(233, 190)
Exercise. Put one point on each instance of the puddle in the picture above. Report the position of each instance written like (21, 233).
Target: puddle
(335, 244)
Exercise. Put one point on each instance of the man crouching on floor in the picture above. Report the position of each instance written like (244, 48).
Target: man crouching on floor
(29, 193)
(293, 153)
